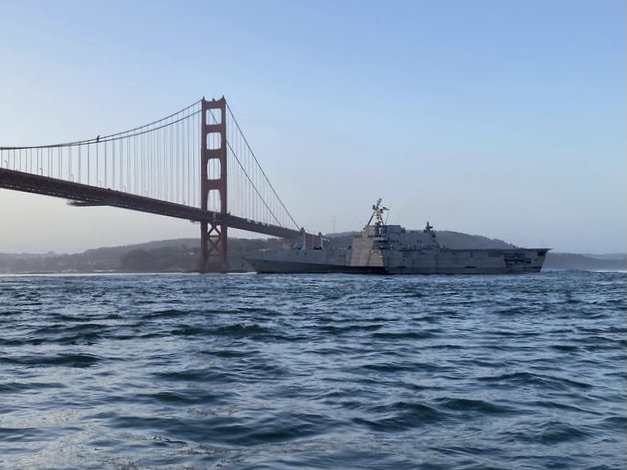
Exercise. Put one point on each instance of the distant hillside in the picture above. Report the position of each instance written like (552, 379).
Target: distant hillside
(616, 256)
(183, 255)
(585, 262)
(95, 260)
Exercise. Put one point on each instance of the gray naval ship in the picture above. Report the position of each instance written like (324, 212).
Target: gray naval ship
(391, 249)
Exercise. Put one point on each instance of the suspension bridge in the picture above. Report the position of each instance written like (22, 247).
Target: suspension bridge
(195, 164)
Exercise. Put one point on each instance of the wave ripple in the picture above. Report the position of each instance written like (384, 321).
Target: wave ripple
(311, 372)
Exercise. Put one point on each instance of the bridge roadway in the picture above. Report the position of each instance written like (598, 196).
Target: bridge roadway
(86, 195)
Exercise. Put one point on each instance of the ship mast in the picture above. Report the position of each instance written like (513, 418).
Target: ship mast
(377, 213)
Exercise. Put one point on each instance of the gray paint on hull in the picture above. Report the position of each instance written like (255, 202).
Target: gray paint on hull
(442, 262)
(286, 267)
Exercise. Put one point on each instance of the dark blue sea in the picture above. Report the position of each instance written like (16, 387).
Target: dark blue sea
(313, 372)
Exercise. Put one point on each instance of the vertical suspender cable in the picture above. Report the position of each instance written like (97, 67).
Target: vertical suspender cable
(113, 164)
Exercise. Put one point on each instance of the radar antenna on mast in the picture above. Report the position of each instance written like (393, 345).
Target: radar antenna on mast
(377, 212)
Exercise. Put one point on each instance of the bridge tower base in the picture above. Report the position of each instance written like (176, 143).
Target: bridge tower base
(213, 172)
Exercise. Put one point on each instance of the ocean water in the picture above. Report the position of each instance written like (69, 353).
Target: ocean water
(313, 372)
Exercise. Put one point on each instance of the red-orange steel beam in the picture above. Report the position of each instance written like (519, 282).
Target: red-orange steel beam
(213, 178)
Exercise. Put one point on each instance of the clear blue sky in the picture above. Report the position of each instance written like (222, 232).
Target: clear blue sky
(500, 118)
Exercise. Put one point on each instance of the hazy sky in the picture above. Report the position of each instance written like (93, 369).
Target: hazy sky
(500, 118)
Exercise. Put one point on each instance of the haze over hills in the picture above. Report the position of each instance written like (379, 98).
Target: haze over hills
(183, 255)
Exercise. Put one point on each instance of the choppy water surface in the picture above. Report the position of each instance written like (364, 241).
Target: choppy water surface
(319, 372)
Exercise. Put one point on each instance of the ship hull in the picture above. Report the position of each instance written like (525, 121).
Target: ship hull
(446, 261)
(391, 249)
(424, 262)
(287, 267)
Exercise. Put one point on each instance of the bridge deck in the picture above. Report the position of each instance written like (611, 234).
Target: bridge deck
(85, 195)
